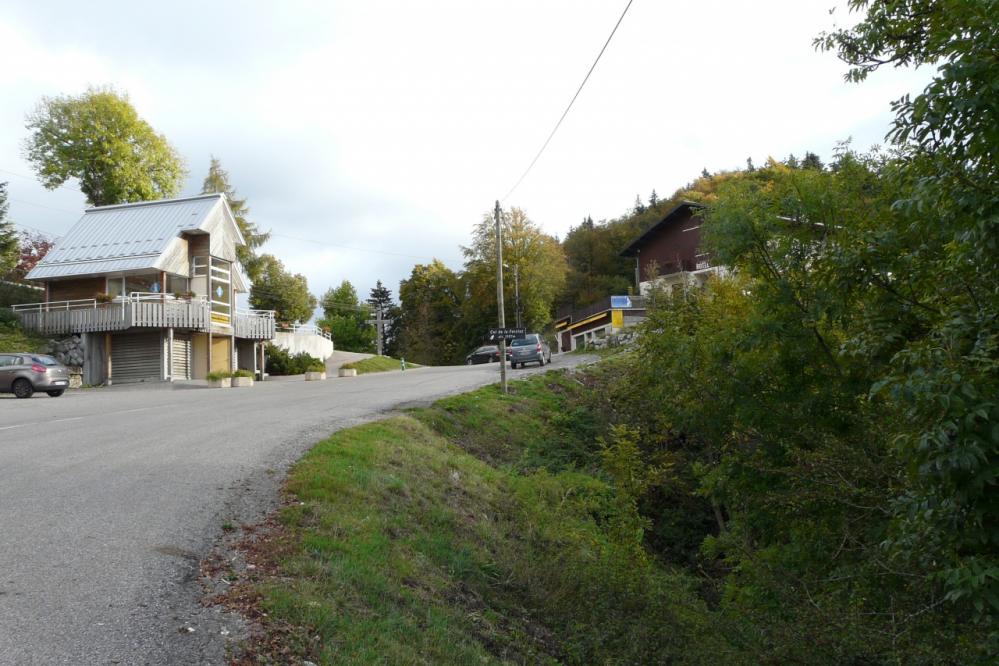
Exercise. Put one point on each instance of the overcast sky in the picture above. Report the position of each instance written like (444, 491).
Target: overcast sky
(369, 136)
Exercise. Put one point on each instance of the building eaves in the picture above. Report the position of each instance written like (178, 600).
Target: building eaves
(672, 215)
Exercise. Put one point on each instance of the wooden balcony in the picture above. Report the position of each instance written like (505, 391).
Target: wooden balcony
(254, 324)
(136, 311)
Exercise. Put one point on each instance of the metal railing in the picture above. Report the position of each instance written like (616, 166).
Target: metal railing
(305, 329)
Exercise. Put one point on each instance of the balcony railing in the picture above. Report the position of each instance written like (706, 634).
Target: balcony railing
(254, 324)
(305, 329)
(137, 310)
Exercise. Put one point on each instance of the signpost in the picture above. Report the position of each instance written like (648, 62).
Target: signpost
(507, 333)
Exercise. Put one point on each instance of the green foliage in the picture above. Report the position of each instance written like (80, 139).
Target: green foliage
(216, 376)
(405, 548)
(99, 139)
(430, 315)
(279, 361)
(934, 269)
(14, 339)
(380, 297)
(10, 245)
(347, 319)
(242, 373)
(217, 180)
(541, 265)
(277, 289)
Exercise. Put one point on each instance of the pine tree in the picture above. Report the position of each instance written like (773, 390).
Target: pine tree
(749, 165)
(639, 206)
(381, 299)
(653, 199)
(812, 161)
(9, 243)
(705, 173)
(217, 180)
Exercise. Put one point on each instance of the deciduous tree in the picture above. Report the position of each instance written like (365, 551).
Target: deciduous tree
(99, 139)
(277, 289)
(9, 245)
(347, 319)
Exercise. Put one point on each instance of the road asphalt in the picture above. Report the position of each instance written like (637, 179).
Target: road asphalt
(109, 499)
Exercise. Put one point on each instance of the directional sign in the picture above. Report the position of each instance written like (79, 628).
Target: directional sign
(506, 333)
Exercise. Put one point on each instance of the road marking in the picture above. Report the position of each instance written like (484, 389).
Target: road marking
(80, 418)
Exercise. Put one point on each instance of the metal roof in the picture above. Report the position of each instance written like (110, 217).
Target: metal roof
(129, 237)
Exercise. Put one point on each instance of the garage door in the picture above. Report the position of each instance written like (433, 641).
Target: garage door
(181, 356)
(135, 358)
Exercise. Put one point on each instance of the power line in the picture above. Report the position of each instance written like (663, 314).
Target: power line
(571, 102)
(27, 177)
(349, 247)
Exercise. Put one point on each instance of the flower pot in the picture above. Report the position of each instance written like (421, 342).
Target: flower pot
(220, 383)
(348, 372)
(315, 376)
(242, 381)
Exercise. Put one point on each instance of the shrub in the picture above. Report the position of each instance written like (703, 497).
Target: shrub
(8, 320)
(280, 362)
(217, 376)
(242, 373)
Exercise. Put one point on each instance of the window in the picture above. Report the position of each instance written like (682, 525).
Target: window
(221, 291)
(148, 284)
(177, 285)
(8, 360)
(116, 287)
(199, 266)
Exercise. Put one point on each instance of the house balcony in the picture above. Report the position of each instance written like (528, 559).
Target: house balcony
(603, 305)
(139, 310)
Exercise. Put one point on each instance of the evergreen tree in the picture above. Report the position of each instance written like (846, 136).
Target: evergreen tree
(705, 173)
(9, 244)
(653, 199)
(792, 161)
(217, 180)
(381, 299)
(812, 161)
(639, 206)
(749, 165)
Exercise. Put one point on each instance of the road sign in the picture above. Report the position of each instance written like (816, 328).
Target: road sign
(507, 333)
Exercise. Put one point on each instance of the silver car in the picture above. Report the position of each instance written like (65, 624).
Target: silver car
(531, 348)
(23, 374)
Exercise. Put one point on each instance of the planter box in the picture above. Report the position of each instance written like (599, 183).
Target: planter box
(220, 383)
(242, 381)
(348, 372)
(315, 376)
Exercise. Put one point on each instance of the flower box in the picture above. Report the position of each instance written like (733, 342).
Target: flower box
(315, 376)
(224, 382)
(348, 372)
(242, 381)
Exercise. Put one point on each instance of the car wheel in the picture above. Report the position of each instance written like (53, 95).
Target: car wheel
(22, 388)
(56, 394)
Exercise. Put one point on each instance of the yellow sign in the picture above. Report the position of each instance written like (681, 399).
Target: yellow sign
(617, 318)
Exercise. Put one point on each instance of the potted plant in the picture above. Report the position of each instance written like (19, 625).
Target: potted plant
(101, 297)
(316, 371)
(219, 380)
(242, 378)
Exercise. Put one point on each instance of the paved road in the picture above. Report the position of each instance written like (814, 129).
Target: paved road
(110, 497)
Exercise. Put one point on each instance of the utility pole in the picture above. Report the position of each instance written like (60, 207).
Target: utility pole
(516, 289)
(499, 296)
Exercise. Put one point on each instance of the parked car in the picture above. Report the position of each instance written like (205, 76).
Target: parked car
(531, 348)
(485, 354)
(22, 374)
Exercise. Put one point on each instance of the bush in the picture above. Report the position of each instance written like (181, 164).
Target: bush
(217, 376)
(8, 320)
(242, 373)
(280, 362)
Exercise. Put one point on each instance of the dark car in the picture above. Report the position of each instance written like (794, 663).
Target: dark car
(531, 348)
(485, 354)
(23, 374)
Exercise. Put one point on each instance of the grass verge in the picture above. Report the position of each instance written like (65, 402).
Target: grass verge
(377, 364)
(454, 534)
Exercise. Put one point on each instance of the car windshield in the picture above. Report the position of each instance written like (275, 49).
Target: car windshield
(484, 350)
(525, 342)
(45, 360)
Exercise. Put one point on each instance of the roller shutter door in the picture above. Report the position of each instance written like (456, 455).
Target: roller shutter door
(181, 356)
(135, 358)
